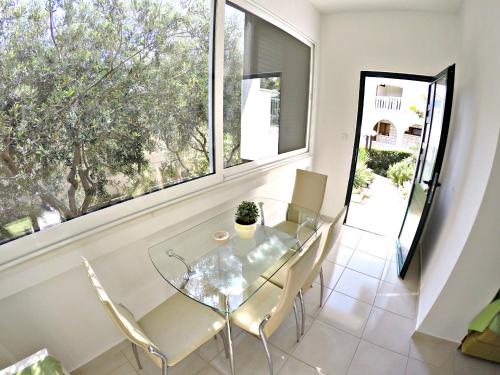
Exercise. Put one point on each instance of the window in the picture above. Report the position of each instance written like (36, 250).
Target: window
(414, 131)
(266, 89)
(100, 102)
(383, 128)
(104, 101)
(388, 90)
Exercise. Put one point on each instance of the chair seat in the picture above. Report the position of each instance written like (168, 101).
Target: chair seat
(180, 325)
(250, 315)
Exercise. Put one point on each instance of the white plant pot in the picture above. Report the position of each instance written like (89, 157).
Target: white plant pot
(245, 232)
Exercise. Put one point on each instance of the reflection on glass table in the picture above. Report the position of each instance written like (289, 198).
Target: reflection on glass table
(222, 272)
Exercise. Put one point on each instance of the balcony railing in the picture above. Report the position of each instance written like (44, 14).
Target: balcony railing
(390, 103)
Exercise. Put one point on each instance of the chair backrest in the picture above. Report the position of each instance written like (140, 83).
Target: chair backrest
(309, 190)
(331, 231)
(297, 273)
(122, 317)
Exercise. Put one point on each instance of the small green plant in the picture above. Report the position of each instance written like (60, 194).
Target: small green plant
(380, 160)
(363, 176)
(402, 171)
(247, 213)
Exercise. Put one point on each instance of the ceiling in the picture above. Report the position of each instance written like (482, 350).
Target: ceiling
(330, 6)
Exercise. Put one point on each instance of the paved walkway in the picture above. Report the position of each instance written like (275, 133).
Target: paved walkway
(382, 212)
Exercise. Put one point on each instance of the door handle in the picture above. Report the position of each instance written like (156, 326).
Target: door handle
(429, 183)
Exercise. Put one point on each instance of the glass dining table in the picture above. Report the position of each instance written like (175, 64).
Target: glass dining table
(212, 265)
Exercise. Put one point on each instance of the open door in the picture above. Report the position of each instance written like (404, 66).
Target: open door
(426, 180)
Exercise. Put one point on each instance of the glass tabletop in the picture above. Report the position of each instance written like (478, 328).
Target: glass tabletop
(213, 265)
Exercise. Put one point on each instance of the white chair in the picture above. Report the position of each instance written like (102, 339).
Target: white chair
(170, 332)
(262, 314)
(330, 232)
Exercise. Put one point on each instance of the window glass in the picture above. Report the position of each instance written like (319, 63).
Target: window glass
(266, 89)
(100, 101)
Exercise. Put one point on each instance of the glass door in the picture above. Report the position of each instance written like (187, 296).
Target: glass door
(431, 155)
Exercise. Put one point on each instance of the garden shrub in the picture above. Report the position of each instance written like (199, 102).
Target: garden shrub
(402, 171)
(363, 176)
(380, 160)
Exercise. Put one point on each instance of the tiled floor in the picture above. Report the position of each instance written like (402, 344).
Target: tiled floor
(365, 327)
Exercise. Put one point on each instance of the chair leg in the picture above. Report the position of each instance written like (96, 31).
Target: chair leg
(303, 308)
(136, 355)
(296, 318)
(163, 358)
(226, 349)
(263, 338)
(322, 286)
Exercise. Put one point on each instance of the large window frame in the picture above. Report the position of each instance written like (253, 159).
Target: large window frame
(245, 168)
(38, 243)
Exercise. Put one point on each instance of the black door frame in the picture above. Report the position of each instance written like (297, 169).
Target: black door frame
(449, 72)
(376, 74)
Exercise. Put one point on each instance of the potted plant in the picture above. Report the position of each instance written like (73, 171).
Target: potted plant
(246, 219)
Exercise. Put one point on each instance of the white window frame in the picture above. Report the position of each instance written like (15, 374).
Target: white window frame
(66, 233)
(259, 11)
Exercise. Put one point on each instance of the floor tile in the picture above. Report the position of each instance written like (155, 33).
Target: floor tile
(467, 365)
(125, 369)
(296, 367)
(358, 285)
(397, 299)
(210, 349)
(331, 274)
(208, 370)
(411, 280)
(389, 330)
(376, 245)
(345, 313)
(368, 264)
(434, 351)
(416, 367)
(311, 299)
(373, 360)
(340, 254)
(327, 348)
(249, 357)
(285, 337)
(350, 236)
(104, 364)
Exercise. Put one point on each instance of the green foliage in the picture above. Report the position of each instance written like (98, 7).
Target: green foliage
(402, 171)
(363, 175)
(380, 160)
(102, 100)
(247, 213)
(362, 155)
(417, 111)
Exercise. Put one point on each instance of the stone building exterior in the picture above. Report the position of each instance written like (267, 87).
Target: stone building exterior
(393, 113)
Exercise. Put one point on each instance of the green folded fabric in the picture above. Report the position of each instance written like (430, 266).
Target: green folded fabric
(487, 318)
(47, 366)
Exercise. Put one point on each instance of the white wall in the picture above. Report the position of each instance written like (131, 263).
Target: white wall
(48, 302)
(461, 247)
(405, 42)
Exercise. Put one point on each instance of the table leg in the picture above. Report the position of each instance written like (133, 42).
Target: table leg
(229, 338)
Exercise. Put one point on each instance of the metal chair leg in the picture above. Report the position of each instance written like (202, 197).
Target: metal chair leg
(296, 318)
(224, 341)
(322, 286)
(263, 338)
(136, 355)
(163, 358)
(303, 308)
